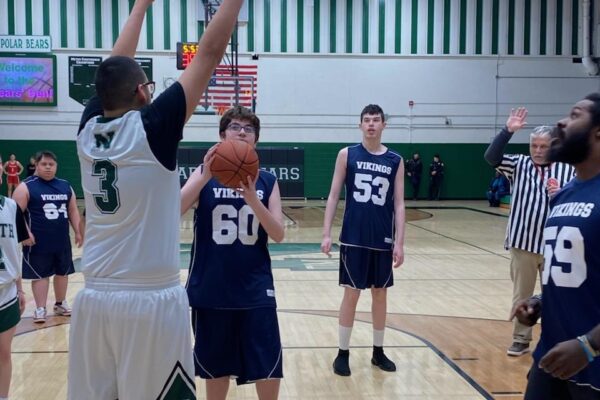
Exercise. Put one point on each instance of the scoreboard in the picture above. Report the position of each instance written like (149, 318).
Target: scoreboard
(185, 53)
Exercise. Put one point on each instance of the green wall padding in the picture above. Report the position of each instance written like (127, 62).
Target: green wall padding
(467, 174)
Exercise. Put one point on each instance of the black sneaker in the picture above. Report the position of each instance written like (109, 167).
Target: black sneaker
(341, 364)
(380, 360)
(518, 349)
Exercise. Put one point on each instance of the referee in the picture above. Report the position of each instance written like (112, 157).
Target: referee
(533, 181)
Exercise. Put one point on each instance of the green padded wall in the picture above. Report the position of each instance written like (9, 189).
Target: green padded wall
(467, 174)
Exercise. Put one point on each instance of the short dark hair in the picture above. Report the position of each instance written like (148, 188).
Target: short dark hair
(117, 78)
(45, 153)
(595, 108)
(241, 113)
(372, 109)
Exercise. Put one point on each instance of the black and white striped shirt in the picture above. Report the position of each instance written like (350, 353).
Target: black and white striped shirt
(530, 201)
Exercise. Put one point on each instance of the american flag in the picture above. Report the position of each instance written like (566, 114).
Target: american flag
(221, 91)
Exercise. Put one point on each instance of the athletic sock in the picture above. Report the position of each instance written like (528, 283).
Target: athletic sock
(344, 335)
(378, 337)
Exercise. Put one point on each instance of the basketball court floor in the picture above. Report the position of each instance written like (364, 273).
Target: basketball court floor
(447, 327)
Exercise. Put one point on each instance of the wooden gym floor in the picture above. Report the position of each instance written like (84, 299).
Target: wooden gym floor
(447, 328)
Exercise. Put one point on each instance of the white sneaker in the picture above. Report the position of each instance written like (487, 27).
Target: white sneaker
(62, 309)
(39, 315)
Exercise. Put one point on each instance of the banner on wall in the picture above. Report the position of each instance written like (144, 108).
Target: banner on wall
(286, 163)
(25, 44)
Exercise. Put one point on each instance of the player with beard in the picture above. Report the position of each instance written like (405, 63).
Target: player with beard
(564, 366)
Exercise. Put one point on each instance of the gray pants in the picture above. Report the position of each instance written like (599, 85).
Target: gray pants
(524, 269)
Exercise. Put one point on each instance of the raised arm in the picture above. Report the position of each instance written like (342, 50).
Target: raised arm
(339, 175)
(211, 48)
(516, 120)
(127, 41)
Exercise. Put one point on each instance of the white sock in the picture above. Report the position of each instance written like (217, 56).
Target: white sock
(345, 332)
(378, 337)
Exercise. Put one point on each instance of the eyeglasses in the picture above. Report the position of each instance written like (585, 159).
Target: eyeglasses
(151, 85)
(234, 127)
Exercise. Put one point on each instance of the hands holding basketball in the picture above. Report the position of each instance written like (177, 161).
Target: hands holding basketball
(234, 162)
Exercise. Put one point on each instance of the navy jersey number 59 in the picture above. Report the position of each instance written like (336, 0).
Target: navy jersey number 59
(569, 251)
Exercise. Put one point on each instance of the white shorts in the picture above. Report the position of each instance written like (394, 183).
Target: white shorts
(131, 343)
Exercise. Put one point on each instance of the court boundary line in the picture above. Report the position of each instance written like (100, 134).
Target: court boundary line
(438, 352)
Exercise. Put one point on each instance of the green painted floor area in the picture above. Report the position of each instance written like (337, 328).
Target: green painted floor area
(292, 256)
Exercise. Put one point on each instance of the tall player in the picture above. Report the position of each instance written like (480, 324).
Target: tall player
(51, 205)
(372, 237)
(130, 333)
(230, 285)
(564, 366)
(12, 169)
(12, 297)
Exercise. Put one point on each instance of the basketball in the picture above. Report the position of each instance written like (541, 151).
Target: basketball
(234, 161)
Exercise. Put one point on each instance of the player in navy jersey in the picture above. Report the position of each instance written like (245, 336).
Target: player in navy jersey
(566, 364)
(372, 237)
(230, 284)
(51, 205)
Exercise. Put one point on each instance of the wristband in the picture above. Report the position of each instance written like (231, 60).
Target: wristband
(586, 347)
(592, 345)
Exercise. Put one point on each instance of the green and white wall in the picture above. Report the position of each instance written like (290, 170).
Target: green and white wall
(464, 64)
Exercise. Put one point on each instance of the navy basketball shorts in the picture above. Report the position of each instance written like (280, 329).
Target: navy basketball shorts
(241, 344)
(362, 268)
(44, 265)
(543, 386)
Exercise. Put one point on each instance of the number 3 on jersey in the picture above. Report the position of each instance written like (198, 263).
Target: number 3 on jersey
(225, 229)
(365, 183)
(108, 200)
(568, 250)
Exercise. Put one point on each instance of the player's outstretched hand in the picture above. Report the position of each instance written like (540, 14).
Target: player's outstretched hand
(326, 245)
(398, 256)
(527, 311)
(564, 360)
(516, 119)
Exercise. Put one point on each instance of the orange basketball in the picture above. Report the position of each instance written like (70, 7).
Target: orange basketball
(234, 161)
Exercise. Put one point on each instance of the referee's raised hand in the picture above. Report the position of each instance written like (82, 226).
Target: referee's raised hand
(517, 119)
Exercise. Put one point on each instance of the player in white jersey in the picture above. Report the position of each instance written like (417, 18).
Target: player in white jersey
(130, 333)
(12, 298)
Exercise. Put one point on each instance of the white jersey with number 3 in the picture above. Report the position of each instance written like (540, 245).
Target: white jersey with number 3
(132, 203)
